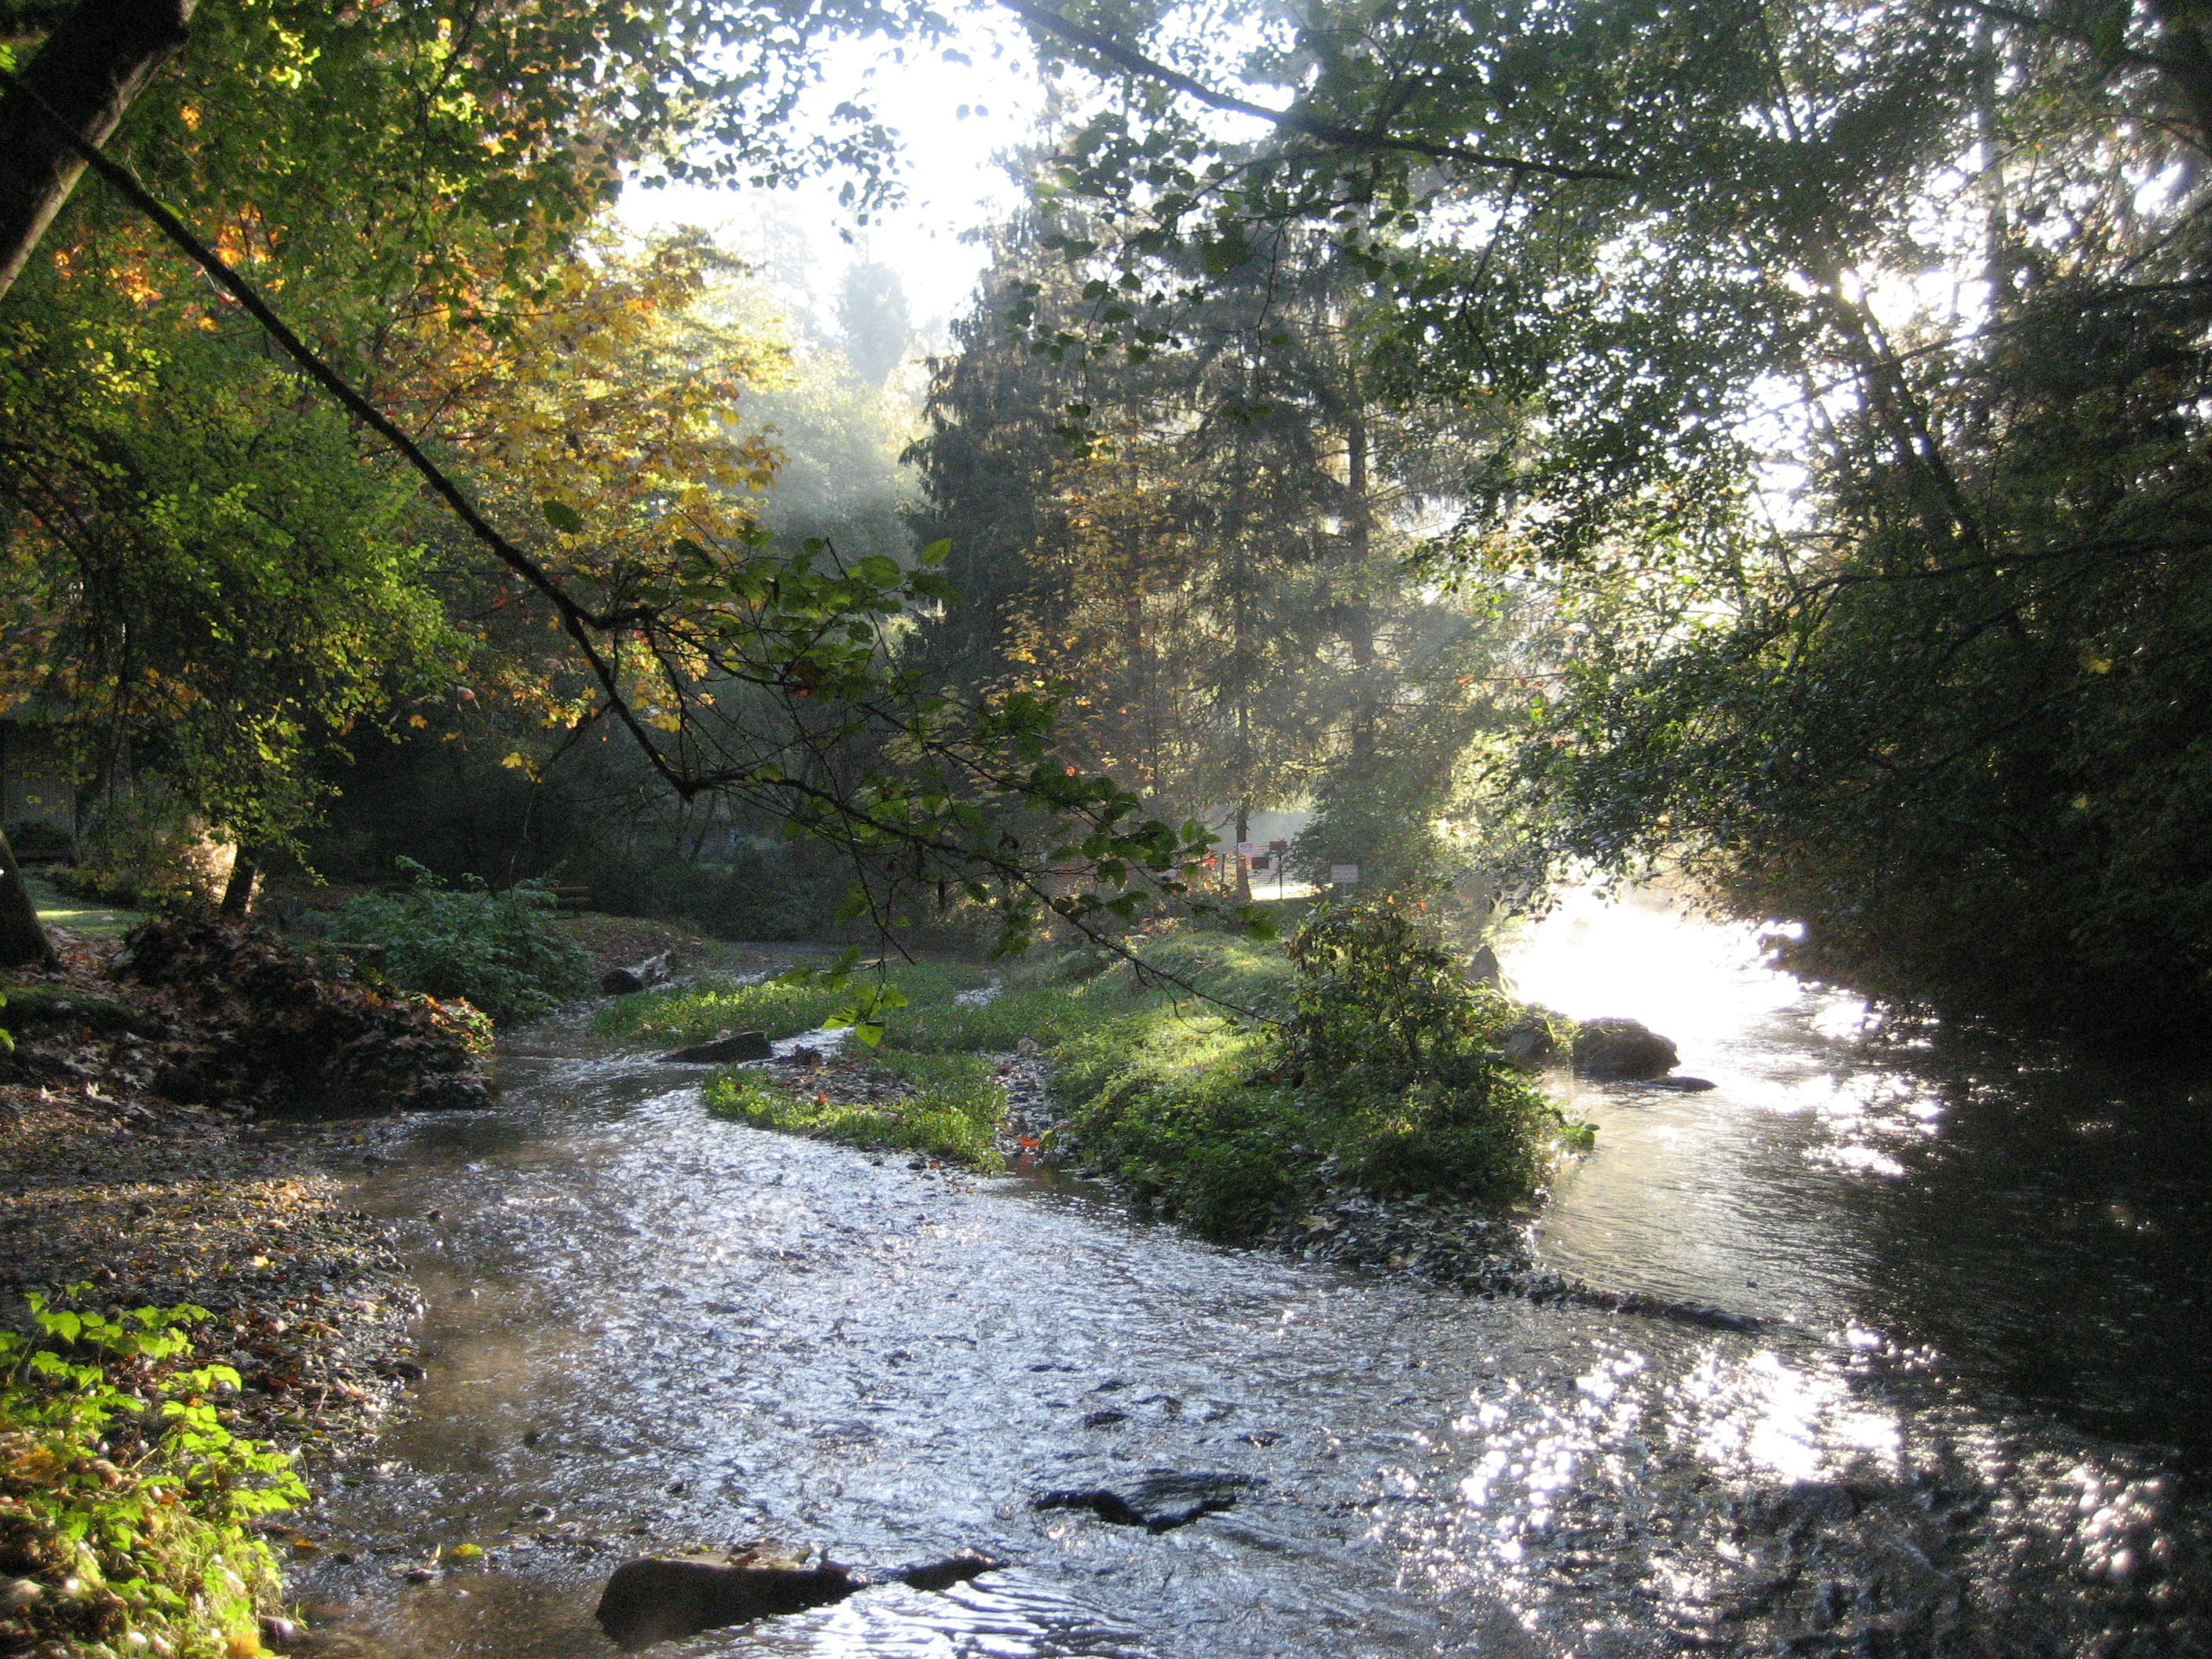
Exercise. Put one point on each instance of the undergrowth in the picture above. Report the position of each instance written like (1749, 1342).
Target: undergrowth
(505, 952)
(1357, 1056)
(125, 1504)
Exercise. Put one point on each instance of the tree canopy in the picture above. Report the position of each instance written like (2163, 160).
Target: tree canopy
(1844, 370)
(1817, 390)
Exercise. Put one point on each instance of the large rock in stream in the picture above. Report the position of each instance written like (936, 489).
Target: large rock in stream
(1624, 1048)
(638, 976)
(661, 1599)
(722, 1051)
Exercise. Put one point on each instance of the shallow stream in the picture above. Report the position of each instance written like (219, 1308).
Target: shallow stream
(1973, 1420)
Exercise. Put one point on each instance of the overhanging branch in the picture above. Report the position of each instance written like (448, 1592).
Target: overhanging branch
(1290, 120)
(859, 826)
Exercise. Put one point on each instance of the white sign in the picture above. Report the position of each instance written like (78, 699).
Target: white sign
(1344, 875)
(1248, 849)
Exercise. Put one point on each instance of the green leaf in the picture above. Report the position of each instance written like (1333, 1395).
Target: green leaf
(561, 517)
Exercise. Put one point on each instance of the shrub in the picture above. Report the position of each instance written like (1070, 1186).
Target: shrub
(146, 847)
(1380, 1075)
(124, 1501)
(505, 952)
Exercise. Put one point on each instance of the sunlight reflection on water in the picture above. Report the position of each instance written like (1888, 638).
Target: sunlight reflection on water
(661, 1327)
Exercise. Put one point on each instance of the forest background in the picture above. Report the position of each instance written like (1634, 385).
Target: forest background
(1766, 443)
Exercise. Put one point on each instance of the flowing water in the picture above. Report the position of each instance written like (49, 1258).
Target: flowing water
(1973, 1420)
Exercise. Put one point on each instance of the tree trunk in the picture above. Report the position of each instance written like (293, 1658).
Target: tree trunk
(94, 63)
(1358, 529)
(238, 891)
(23, 941)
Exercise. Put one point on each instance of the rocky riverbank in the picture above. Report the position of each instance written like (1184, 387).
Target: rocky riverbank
(136, 1173)
(109, 1181)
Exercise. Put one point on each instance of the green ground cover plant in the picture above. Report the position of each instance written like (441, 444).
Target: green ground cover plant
(954, 1112)
(505, 952)
(125, 1504)
(778, 1007)
(1356, 1055)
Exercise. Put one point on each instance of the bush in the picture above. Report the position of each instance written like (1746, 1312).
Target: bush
(1380, 1075)
(505, 952)
(146, 847)
(124, 1502)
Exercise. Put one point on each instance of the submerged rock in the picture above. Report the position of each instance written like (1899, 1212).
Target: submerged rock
(742, 1045)
(658, 1599)
(1161, 1502)
(1622, 1048)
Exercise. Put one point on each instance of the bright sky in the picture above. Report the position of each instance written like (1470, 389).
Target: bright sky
(954, 180)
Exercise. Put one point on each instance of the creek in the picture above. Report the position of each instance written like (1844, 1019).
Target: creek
(1972, 1420)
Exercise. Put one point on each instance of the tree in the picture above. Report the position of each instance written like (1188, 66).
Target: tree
(95, 61)
(1934, 698)
(691, 621)
(1206, 545)
(872, 314)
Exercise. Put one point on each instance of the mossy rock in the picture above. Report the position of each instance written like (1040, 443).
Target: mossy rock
(53, 1005)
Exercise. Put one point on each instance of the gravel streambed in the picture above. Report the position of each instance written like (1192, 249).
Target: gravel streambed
(144, 1201)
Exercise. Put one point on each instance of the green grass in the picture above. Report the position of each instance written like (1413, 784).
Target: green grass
(955, 1112)
(1184, 1100)
(57, 909)
(693, 1013)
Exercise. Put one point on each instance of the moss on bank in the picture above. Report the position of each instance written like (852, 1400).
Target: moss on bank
(1357, 1060)
(947, 1106)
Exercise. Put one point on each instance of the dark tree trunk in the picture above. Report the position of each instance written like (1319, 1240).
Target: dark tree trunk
(95, 62)
(23, 941)
(238, 891)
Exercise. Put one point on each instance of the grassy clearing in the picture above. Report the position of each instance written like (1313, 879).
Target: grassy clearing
(954, 1112)
(1365, 1063)
(693, 1013)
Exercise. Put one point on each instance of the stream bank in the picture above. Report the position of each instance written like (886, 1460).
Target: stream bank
(139, 1172)
(650, 1331)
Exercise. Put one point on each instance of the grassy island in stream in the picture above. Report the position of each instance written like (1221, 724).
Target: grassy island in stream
(1354, 1059)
